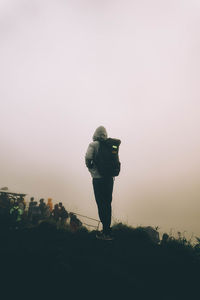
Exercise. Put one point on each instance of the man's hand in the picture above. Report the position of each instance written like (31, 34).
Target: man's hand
(89, 163)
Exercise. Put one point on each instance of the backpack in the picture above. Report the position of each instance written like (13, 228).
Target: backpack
(107, 158)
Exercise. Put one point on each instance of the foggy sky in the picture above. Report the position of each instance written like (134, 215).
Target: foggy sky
(68, 67)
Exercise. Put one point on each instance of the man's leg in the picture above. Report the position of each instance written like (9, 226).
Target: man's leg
(98, 192)
(103, 188)
(108, 189)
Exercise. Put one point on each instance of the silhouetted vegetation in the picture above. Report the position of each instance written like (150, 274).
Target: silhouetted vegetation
(45, 258)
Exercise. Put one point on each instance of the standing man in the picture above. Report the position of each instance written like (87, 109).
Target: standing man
(103, 164)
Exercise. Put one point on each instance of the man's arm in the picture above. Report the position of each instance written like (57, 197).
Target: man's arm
(89, 156)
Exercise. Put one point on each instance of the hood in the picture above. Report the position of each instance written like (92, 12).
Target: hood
(100, 134)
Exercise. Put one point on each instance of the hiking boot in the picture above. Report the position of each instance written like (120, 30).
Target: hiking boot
(99, 234)
(104, 237)
(108, 237)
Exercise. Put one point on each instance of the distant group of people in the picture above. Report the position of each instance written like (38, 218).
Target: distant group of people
(41, 211)
(37, 212)
(57, 212)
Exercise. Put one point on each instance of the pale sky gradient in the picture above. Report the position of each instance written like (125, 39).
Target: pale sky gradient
(67, 67)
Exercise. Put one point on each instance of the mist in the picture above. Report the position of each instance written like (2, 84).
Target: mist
(68, 67)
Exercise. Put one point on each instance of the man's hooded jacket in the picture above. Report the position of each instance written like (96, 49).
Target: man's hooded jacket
(100, 134)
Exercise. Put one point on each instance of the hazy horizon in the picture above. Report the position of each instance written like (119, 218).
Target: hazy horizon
(68, 67)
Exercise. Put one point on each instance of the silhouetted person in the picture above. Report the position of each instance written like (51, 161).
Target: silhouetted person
(55, 212)
(47, 213)
(16, 216)
(31, 204)
(75, 223)
(50, 204)
(31, 201)
(21, 203)
(35, 213)
(63, 214)
(42, 207)
(102, 184)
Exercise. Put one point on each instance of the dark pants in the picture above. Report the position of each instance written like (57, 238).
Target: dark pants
(103, 188)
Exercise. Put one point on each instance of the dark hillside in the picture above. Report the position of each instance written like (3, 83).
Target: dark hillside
(43, 260)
